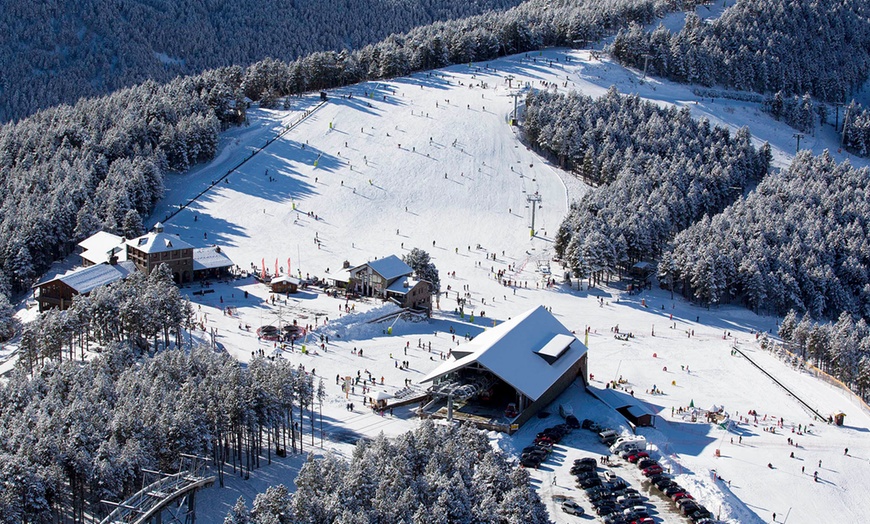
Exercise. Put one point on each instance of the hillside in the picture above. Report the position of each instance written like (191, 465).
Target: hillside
(56, 52)
(386, 138)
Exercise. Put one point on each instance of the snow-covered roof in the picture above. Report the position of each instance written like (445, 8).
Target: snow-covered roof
(98, 256)
(284, 278)
(388, 267)
(101, 242)
(402, 286)
(210, 258)
(85, 280)
(158, 243)
(342, 275)
(510, 351)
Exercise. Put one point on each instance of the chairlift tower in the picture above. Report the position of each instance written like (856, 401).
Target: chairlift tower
(516, 97)
(534, 201)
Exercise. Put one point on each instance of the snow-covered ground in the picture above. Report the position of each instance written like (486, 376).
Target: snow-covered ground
(429, 161)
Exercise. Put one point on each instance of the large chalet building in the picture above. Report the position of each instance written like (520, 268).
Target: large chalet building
(107, 258)
(390, 279)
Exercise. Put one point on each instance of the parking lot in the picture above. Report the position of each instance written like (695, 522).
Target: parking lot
(577, 483)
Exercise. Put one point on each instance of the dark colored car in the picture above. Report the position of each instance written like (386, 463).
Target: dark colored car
(588, 483)
(530, 462)
(645, 463)
(581, 468)
(665, 483)
(572, 422)
(587, 460)
(701, 514)
(689, 507)
(615, 518)
(606, 510)
(603, 500)
(654, 479)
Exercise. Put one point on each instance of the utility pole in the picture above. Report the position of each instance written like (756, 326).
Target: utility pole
(509, 78)
(533, 201)
(845, 120)
(645, 64)
(798, 136)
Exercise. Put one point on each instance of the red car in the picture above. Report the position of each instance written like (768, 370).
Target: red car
(680, 495)
(652, 470)
(644, 520)
(637, 456)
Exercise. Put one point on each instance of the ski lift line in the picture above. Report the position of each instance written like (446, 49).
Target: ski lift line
(254, 153)
(778, 383)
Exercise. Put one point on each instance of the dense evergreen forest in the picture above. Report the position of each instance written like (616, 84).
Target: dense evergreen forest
(821, 48)
(75, 432)
(659, 171)
(799, 241)
(856, 132)
(433, 475)
(841, 349)
(57, 52)
(69, 171)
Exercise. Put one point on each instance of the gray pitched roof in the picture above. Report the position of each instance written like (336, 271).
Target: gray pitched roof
(85, 280)
(388, 267)
(210, 258)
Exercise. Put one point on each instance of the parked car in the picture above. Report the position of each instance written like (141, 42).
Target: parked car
(670, 490)
(615, 518)
(588, 483)
(635, 512)
(684, 504)
(591, 425)
(587, 460)
(630, 499)
(680, 496)
(580, 468)
(644, 520)
(701, 514)
(545, 439)
(572, 422)
(609, 476)
(645, 463)
(608, 436)
(655, 479)
(605, 499)
(652, 470)
(584, 475)
(633, 458)
(606, 510)
(530, 462)
(571, 507)
(661, 485)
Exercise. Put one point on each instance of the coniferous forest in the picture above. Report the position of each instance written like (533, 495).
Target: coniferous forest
(75, 432)
(435, 474)
(57, 52)
(799, 241)
(658, 171)
(821, 48)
